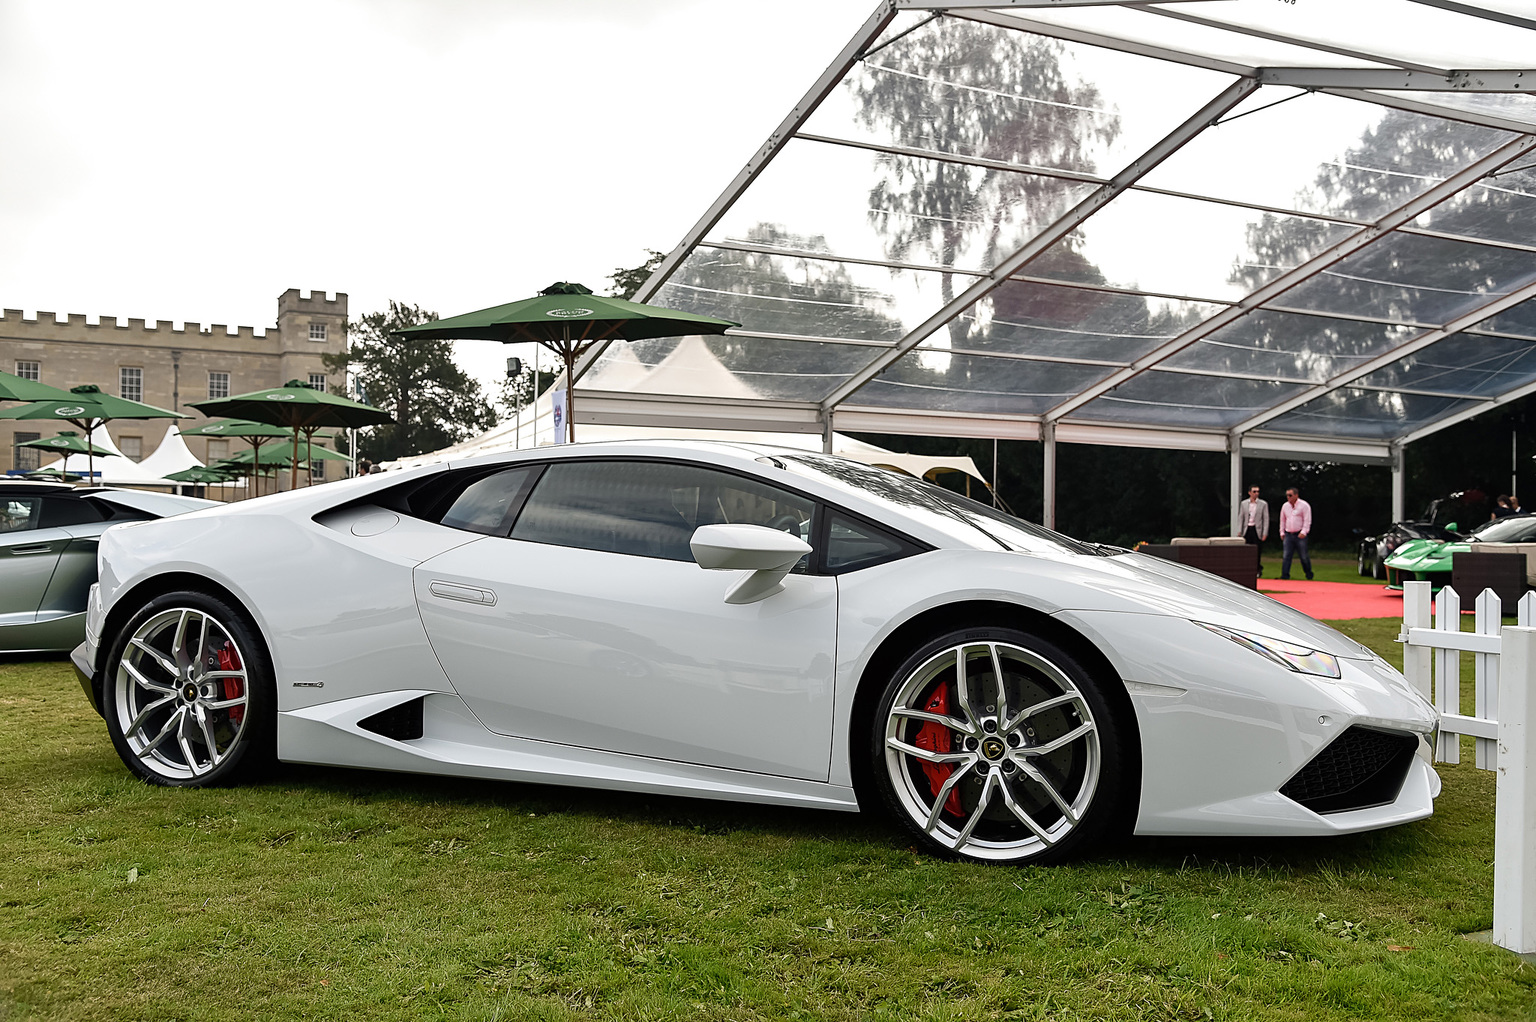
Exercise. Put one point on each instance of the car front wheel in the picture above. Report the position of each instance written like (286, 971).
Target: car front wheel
(999, 746)
(189, 693)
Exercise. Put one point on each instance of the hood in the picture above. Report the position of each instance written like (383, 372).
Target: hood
(1167, 587)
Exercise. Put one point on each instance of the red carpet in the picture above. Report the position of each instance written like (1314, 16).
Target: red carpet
(1334, 601)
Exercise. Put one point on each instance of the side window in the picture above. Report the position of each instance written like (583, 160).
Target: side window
(483, 506)
(19, 514)
(852, 545)
(650, 509)
(59, 511)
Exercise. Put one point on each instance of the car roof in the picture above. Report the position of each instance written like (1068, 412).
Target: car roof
(18, 487)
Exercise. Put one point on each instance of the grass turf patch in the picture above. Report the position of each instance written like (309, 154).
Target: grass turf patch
(345, 894)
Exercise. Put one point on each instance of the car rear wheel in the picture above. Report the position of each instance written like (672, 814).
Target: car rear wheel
(189, 694)
(998, 746)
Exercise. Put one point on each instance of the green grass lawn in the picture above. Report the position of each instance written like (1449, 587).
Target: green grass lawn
(352, 895)
(1331, 567)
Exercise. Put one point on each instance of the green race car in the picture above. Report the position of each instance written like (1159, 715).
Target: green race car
(1430, 560)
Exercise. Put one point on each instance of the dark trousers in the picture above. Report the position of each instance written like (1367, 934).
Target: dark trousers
(1295, 543)
(1251, 537)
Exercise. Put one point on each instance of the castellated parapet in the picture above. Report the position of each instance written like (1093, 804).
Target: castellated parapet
(172, 365)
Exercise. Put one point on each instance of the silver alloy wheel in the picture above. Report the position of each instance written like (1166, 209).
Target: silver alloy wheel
(992, 750)
(182, 694)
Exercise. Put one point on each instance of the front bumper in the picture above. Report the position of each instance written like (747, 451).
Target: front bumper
(1224, 731)
(83, 656)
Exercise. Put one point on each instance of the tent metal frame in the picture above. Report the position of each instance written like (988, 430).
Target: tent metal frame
(1068, 420)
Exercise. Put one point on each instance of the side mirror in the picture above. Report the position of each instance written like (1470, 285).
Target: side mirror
(767, 553)
(1451, 527)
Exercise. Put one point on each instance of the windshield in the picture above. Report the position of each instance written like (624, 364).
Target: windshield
(1520, 529)
(942, 508)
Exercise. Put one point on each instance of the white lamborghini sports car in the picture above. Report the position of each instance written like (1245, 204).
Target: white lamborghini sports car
(744, 623)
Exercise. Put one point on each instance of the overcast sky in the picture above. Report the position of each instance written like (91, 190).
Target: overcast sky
(192, 160)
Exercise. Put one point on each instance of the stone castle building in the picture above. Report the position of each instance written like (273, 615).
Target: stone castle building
(153, 363)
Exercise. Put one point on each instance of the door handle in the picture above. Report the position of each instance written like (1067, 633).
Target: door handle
(462, 593)
(35, 548)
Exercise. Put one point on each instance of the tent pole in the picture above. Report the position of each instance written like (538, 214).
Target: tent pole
(1235, 486)
(1048, 488)
(1398, 514)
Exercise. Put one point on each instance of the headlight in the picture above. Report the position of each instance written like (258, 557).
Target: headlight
(1292, 657)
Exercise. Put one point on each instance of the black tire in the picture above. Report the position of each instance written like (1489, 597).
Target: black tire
(1042, 805)
(1379, 568)
(188, 693)
(1365, 563)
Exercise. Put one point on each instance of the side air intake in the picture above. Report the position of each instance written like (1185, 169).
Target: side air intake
(401, 723)
(1360, 769)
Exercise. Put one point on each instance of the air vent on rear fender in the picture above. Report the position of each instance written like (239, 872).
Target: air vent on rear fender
(1361, 768)
(401, 723)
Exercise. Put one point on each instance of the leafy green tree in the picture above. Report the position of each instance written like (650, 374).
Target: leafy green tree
(626, 283)
(433, 401)
(963, 87)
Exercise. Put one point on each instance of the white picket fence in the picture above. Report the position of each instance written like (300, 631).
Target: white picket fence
(1502, 721)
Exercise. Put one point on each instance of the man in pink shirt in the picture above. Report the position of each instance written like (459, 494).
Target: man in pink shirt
(1295, 523)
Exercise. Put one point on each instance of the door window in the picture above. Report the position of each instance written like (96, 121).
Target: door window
(852, 544)
(650, 509)
(19, 514)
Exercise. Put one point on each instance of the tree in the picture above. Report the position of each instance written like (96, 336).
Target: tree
(963, 87)
(433, 401)
(626, 283)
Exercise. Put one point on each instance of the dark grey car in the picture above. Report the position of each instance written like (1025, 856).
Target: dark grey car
(48, 536)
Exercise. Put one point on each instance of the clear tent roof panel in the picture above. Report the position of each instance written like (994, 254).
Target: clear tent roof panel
(1520, 321)
(1415, 33)
(941, 381)
(830, 198)
(1367, 414)
(1048, 320)
(1128, 245)
(1288, 346)
(957, 87)
(1416, 279)
(1222, 217)
(1188, 400)
(1462, 365)
(1503, 209)
(1518, 107)
(1325, 168)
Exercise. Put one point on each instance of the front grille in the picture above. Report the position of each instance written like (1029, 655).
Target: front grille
(1361, 768)
(402, 722)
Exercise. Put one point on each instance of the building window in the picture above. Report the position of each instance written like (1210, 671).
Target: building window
(317, 380)
(218, 385)
(317, 471)
(28, 459)
(218, 450)
(131, 446)
(317, 331)
(130, 384)
(29, 370)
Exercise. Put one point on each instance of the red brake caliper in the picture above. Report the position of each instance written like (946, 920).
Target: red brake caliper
(229, 660)
(935, 738)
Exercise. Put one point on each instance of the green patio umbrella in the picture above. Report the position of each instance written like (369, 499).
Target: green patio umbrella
(200, 474)
(280, 458)
(568, 319)
(88, 407)
(19, 388)
(299, 407)
(67, 443)
(253, 433)
(52, 475)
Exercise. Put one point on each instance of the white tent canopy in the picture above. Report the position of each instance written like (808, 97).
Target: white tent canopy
(171, 455)
(1274, 230)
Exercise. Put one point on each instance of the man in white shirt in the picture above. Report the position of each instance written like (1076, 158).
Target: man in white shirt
(1295, 523)
(1253, 522)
